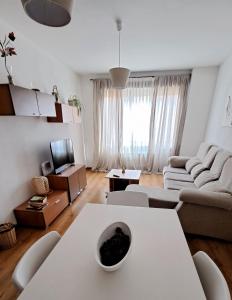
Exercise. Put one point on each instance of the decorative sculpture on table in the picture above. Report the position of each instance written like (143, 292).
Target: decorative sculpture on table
(6, 49)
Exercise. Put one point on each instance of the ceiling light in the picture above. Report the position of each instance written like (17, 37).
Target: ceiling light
(119, 76)
(55, 13)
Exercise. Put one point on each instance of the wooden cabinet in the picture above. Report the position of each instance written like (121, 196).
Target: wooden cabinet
(72, 179)
(65, 114)
(57, 202)
(20, 101)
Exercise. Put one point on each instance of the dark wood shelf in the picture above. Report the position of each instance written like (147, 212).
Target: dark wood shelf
(65, 114)
(19, 101)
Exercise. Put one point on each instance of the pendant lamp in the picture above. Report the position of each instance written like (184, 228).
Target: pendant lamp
(55, 13)
(119, 76)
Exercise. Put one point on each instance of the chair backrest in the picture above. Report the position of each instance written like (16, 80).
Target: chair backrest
(33, 259)
(128, 198)
(212, 280)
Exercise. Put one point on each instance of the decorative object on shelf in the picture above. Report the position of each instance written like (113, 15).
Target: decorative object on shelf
(40, 185)
(37, 202)
(119, 76)
(55, 93)
(74, 101)
(6, 49)
(46, 168)
(55, 13)
(227, 118)
(7, 235)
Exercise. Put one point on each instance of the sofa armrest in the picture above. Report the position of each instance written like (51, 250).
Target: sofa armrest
(178, 161)
(213, 199)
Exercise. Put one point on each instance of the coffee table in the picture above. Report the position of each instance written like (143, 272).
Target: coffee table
(118, 181)
(159, 266)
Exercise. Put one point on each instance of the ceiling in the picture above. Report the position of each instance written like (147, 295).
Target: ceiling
(157, 34)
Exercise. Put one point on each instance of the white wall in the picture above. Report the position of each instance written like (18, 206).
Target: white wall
(87, 116)
(216, 133)
(25, 140)
(200, 97)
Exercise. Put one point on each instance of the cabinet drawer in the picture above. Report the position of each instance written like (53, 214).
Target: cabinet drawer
(56, 205)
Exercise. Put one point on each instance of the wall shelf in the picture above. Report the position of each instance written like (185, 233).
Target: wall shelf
(65, 114)
(19, 101)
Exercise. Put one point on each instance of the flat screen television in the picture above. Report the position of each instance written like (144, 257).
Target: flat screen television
(62, 154)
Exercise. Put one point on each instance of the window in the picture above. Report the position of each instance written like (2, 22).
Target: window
(142, 125)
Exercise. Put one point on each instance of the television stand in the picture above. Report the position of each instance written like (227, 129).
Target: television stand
(73, 179)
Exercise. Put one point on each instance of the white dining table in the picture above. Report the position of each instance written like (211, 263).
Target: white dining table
(159, 266)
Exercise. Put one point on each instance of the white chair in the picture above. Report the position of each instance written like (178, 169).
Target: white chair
(212, 280)
(33, 259)
(128, 198)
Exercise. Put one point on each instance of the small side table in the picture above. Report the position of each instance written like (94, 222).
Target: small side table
(57, 202)
(122, 180)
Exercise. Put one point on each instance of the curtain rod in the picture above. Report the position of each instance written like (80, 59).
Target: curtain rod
(151, 76)
(129, 77)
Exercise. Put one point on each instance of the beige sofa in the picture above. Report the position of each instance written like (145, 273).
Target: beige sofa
(201, 192)
(208, 211)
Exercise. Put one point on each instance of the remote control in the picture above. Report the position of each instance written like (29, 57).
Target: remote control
(116, 175)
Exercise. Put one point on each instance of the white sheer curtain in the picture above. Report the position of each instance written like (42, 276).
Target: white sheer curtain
(141, 126)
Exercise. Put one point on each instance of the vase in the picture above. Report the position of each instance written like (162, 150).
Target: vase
(10, 79)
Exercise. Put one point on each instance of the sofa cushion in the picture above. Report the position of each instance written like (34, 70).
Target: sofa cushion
(191, 163)
(179, 177)
(219, 161)
(178, 185)
(174, 170)
(203, 178)
(226, 175)
(206, 163)
(197, 170)
(214, 186)
(210, 156)
(215, 170)
(203, 150)
(224, 183)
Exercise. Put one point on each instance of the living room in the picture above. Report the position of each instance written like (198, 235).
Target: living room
(138, 98)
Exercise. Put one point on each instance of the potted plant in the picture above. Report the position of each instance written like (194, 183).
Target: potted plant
(74, 101)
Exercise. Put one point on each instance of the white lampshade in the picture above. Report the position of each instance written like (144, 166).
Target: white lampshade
(119, 77)
(55, 13)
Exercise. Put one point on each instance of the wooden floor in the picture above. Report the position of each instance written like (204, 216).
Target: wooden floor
(97, 185)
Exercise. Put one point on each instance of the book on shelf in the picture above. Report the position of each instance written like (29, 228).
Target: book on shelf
(37, 202)
(38, 199)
